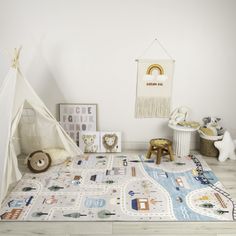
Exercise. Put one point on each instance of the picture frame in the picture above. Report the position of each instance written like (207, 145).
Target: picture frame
(110, 141)
(76, 117)
(89, 141)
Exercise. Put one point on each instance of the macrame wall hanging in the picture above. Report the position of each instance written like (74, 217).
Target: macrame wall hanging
(154, 86)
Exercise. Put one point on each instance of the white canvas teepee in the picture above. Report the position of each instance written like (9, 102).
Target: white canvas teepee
(16, 94)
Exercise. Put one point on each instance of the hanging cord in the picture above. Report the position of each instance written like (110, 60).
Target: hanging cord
(149, 46)
(162, 47)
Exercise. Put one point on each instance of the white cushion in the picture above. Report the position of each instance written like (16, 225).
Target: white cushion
(57, 155)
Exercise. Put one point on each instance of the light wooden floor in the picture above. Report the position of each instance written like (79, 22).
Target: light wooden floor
(226, 172)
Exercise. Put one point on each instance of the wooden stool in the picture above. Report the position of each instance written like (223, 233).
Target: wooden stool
(160, 147)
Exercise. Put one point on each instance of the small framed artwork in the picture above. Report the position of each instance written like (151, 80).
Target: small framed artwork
(89, 141)
(78, 117)
(110, 141)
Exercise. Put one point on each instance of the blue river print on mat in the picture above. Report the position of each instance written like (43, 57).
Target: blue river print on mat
(168, 181)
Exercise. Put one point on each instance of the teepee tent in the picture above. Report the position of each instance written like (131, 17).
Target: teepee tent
(19, 102)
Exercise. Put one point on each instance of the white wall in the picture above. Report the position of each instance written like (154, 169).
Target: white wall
(84, 50)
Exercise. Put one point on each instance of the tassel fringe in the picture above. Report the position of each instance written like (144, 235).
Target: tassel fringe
(150, 107)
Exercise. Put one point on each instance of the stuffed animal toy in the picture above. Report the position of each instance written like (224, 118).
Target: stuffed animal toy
(180, 114)
(39, 161)
(212, 127)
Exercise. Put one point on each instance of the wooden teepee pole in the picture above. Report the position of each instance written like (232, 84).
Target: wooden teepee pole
(15, 60)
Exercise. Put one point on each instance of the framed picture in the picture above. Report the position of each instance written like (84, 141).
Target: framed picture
(78, 117)
(110, 141)
(89, 141)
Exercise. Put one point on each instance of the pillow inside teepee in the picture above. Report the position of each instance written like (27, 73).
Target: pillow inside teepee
(57, 155)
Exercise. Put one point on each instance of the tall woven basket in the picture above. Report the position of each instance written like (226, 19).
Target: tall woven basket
(207, 147)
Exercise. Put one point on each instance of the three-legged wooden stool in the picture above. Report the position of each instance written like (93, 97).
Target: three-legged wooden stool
(160, 147)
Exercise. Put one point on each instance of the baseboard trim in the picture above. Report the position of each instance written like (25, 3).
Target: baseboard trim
(133, 145)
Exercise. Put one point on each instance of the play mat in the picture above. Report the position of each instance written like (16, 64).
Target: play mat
(121, 188)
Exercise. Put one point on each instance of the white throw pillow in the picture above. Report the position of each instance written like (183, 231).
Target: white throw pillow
(57, 155)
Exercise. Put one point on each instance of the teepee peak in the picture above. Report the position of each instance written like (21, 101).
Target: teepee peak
(16, 57)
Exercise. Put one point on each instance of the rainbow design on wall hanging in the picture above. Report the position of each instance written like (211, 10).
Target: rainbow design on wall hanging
(155, 67)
